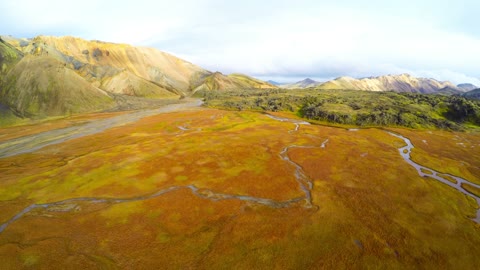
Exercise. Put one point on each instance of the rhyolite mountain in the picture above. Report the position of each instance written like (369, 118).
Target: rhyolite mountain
(235, 81)
(397, 83)
(49, 76)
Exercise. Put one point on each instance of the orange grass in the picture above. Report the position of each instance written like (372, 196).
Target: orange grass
(9, 133)
(471, 189)
(374, 211)
(456, 153)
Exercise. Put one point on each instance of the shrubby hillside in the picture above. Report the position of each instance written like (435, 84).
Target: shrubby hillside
(357, 108)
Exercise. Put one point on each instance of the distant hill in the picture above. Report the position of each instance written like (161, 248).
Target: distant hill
(234, 81)
(397, 83)
(47, 76)
(448, 91)
(306, 83)
(273, 82)
(472, 94)
(467, 86)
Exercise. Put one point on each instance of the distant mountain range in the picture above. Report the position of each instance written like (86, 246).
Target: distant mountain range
(307, 83)
(467, 86)
(274, 82)
(397, 83)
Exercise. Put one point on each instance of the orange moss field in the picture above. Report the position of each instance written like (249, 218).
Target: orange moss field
(30, 129)
(374, 211)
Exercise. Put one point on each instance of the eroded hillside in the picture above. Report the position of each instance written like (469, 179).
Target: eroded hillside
(48, 76)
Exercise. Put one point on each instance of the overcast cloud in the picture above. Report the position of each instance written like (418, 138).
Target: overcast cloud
(280, 40)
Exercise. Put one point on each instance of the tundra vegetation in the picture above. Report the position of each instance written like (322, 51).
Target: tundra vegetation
(224, 177)
(359, 108)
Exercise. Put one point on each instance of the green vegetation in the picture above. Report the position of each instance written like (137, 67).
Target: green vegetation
(360, 108)
(474, 94)
(9, 56)
(8, 118)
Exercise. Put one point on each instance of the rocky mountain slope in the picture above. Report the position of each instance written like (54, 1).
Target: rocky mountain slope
(234, 81)
(397, 83)
(47, 76)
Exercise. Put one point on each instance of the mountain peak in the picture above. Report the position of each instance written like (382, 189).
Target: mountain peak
(306, 83)
(307, 80)
(467, 86)
(345, 78)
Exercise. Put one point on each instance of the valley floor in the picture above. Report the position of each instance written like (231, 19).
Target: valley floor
(205, 188)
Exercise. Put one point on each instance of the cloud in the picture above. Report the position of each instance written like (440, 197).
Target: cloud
(447, 75)
(330, 46)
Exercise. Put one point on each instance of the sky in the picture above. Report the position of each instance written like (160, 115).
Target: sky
(285, 41)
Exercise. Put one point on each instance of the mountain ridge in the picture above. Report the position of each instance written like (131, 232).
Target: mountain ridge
(475, 94)
(467, 86)
(81, 76)
(398, 83)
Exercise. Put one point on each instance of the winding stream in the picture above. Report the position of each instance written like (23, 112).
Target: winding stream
(423, 171)
(70, 204)
(306, 185)
(297, 123)
(405, 151)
